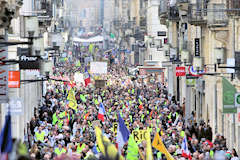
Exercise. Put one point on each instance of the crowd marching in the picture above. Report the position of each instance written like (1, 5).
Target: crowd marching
(141, 120)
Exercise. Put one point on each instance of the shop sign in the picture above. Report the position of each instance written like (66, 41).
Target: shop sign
(29, 62)
(3, 76)
(196, 73)
(180, 71)
(228, 97)
(197, 47)
(14, 79)
(237, 100)
(191, 82)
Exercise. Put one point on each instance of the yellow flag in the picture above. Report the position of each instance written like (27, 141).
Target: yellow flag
(72, 100)
(106, 147)
(149, 147)
(158, 144)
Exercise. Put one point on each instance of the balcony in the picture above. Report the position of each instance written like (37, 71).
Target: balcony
(163, 9)
(196, 15)
(43, 8)
(233, 7)
(218, 18)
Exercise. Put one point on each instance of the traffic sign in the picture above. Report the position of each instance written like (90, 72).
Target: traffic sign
(180, 71)
(237, 100)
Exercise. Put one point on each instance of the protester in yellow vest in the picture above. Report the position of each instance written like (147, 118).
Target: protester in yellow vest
(60, 150)
(80, 147)
(39, 135)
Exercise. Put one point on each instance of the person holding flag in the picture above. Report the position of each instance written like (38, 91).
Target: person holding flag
(122, 133)
(184, 147)
(87, 78)
(101, 112)
(6, 142)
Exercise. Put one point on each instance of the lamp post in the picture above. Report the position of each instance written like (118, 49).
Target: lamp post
(198, 63)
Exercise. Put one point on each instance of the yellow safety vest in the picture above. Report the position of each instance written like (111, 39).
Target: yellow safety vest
(58, 152)
(40, 136)
(79, 149)
(60, 124)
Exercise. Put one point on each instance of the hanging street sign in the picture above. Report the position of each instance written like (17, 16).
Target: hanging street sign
(13, 79)
(3, 76)
(180, 71)
(191, 82)
(228, 96)
(196, 73)
(237, 100)
(29, 62)
(197, 47)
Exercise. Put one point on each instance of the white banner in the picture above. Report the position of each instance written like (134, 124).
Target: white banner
(98, 67)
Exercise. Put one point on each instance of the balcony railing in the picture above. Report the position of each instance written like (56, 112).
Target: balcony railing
(43, 8)
(233, 6)
(163, 9)
(182, 1)
(196, 15)
(218, 17)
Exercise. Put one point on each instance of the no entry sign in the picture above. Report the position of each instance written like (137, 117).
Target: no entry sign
(180, 71)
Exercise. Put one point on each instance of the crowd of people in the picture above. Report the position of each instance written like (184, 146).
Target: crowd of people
(58, 129)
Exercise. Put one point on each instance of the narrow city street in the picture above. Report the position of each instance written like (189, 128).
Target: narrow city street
(119, 80)
(126, 110)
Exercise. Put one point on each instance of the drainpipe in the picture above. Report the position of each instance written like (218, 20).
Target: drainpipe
(233, 54)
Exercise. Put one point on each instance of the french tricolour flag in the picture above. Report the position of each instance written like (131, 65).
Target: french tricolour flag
(86, 77)
(185, 151)
(101, 112)
(122, 134)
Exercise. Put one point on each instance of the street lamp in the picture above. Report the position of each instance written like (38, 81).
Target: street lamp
(185, 57)
(38, 46)
(198, 63)
(220, 59)
(46, 68)
(219, 55)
